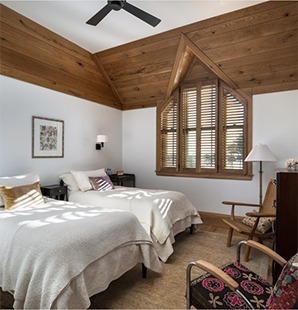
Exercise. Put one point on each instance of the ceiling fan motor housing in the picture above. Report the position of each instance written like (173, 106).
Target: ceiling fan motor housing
(116, 5)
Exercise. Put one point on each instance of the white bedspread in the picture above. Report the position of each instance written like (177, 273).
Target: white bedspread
(43, 248)
(157, 210)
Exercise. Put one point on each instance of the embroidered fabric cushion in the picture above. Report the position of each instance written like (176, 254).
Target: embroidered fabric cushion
(101, 184)
(285, 292)
(18, 180)
(21, 196)
(264, 225)
(82, 178)
(209, 292)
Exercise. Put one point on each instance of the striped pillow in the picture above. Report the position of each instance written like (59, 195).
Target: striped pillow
(102, 183)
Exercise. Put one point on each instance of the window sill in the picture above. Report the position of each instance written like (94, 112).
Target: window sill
(207, 176)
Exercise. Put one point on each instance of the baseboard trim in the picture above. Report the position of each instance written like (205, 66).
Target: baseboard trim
(214, 219)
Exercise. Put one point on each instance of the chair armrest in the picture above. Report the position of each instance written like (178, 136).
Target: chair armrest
(231, 283)
(276, 257)
(240, 204)
(256, 214)
(234, 203)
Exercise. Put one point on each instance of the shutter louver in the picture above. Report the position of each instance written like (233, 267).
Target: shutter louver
(189, 127)
(208, 126)
(233, 132)
(168, 140)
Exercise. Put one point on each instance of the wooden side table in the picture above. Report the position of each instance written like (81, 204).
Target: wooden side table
(55, 191)
(123, 179)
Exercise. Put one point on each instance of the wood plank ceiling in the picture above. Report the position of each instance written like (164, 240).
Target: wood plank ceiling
(32, 53)
(254, 49)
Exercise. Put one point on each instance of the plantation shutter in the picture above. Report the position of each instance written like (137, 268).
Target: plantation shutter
(208, 104)
(204, 130)
(189, 127)
(233, 115)
(168, 141)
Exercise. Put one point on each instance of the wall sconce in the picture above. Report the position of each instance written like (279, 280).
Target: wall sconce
(100, 140)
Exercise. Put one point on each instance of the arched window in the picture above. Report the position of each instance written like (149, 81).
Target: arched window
(204, 130)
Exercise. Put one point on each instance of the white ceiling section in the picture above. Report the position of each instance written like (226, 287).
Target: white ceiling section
(68, 18)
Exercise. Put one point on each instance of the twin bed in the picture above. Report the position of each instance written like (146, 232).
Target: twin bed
(162, 213)
(57, 254)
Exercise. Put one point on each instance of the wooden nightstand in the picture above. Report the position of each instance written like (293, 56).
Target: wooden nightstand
(123, 179)
(55, 191)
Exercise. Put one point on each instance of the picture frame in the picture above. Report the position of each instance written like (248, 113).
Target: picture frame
(120, 173)
(47, 137)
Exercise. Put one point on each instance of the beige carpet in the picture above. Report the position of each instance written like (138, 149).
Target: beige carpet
(166, 291)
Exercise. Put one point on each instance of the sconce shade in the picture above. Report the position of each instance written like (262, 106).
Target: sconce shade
(100, 140)
(260, 152)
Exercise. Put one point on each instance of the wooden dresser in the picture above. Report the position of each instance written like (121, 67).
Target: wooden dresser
(286, 215)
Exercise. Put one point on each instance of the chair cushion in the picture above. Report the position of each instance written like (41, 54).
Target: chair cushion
(208, 291)
(285, 292)
(264, 225)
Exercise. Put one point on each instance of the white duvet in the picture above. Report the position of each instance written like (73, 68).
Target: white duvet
(44, 249)
(157, 210)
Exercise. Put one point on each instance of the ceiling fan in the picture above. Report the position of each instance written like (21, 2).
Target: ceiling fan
(122, 4)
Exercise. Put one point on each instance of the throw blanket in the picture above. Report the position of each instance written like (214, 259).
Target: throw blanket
(43, 248)
(157, 210)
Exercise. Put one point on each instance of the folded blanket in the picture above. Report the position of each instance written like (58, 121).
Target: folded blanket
(157, 210)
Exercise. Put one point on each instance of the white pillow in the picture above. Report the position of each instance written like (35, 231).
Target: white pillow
(82, 178)
(70, 181)
(18, 180)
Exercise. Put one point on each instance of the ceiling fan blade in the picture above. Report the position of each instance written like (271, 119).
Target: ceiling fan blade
(146, 17)
(94, 20)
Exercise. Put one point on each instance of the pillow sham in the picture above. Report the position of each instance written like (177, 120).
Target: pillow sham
(264, 225)
(101, 184)
(18, 180)
(69, 180)
(82, 178)
(21, 196)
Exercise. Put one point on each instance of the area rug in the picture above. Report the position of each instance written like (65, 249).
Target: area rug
(167, 290)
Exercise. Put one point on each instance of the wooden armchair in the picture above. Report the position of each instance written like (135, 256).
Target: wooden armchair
(266, 212)
(234, 286)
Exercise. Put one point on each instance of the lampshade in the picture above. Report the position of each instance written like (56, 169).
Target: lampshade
(102, 138)
(260, 152)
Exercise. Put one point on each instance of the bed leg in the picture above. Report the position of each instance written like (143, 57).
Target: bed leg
(192, 229)
(144, 271)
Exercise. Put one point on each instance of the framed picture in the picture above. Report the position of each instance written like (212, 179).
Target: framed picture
(47, 137)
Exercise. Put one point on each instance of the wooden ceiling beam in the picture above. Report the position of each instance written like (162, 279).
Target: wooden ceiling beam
(108, 80)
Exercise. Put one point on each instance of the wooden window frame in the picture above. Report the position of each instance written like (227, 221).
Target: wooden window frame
(198, 172)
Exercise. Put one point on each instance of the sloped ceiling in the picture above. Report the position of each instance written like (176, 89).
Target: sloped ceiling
(253, 49)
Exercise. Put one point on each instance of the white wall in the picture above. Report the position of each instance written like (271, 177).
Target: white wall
(83, 121)
(275, 123)
(131, 134)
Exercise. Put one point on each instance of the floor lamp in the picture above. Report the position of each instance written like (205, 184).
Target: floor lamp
(260, 153)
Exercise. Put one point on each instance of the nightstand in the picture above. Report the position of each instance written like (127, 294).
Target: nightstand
(55, 191)
(123, 179)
